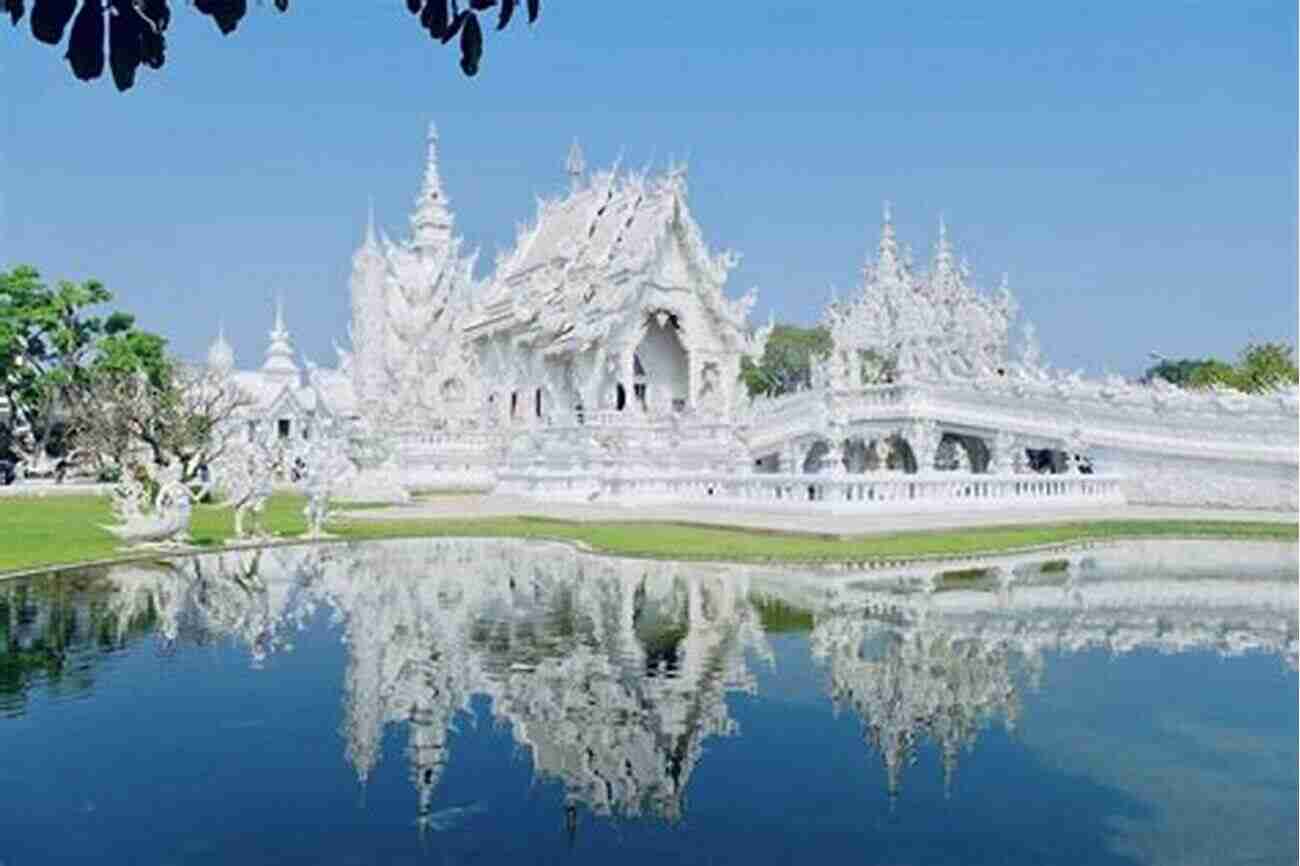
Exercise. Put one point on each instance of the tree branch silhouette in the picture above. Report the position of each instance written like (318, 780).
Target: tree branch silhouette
(135, 30)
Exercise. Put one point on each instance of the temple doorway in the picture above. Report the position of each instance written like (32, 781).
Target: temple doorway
(664, 359)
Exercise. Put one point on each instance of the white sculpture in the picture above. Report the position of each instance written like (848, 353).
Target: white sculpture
(320, 463)
(151, 504)
(244, 477)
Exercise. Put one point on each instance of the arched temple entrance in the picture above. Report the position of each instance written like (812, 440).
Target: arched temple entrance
(664, 358)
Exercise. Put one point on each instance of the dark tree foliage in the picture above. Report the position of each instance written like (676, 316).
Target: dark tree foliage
(135, 29)
(787, 360)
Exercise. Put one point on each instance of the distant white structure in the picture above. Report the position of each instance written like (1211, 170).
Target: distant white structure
(600, 360)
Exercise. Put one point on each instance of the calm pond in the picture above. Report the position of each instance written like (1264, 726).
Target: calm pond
(475, 701)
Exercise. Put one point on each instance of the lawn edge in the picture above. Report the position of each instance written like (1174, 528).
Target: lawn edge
(1222, 531)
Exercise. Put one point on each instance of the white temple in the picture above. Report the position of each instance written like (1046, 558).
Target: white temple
(600, 360)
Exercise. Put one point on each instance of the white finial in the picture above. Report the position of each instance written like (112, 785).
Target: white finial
(575, 165)
(370, 223)
(943, 227)
(279, 313)
(887, 213)
(431, 223)
(220, 356)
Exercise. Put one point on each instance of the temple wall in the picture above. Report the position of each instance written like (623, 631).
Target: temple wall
(1165, 479)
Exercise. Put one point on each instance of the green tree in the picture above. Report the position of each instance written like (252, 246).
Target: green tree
(1260, 367)
(787, 361)
(1264, 366)
(1177, 371)
(1212, 372)
(51, 353)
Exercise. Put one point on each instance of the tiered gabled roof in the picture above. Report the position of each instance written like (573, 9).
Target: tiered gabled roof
(575, 265)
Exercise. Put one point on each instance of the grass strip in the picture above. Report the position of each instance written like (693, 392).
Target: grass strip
(65, 530)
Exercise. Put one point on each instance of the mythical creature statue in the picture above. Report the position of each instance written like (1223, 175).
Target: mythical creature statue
(152, 505)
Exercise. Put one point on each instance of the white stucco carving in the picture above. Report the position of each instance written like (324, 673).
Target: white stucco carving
(600, 358)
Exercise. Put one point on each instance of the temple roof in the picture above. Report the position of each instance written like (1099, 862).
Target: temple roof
(571, 269)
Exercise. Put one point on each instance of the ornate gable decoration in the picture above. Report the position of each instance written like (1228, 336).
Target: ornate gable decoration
(586, 261)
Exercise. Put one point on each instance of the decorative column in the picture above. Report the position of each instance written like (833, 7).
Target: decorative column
(627, 375)
(1002, 454)
(790, 459)
(1075, 448)
(835, 456)
(923, 437)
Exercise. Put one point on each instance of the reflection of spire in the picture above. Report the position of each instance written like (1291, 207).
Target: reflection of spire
(614, 674)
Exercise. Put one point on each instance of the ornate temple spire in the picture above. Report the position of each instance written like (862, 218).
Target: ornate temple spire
(889, 267)
(221, 357)
(279, 349)
(431, 223)
(369, 242)
(944, 274)
(575, 165)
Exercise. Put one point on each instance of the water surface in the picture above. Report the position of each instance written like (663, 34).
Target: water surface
(474, 701)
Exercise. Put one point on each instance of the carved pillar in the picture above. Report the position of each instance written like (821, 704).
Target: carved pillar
(627, 376)
(835, 455)
(1075, 449)
(789, 459)
(923, 437)
(1002, 454)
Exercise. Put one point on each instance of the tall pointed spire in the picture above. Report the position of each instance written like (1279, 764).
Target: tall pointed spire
(575, 165)
(221, 357)
(279, 349)
(888, 266)
(432, 221)
(944, 278)
(370, 242)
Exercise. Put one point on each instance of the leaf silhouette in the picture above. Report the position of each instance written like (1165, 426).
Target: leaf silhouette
(227, 13)
(50, 18)
(125, 28)
(14, 8)
(471, 46)
(135, 28)
(86, 44)
(435, 18)
(456, 23)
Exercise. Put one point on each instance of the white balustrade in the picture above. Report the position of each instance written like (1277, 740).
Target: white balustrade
(886, 491)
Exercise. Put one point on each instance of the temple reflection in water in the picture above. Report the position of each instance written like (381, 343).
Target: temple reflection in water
(613, 673)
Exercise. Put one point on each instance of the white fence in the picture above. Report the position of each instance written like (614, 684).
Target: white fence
(946, 491)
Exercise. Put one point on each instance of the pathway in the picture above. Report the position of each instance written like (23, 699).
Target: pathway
(490, 505)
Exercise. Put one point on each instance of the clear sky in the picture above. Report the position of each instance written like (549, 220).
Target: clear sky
(1131, 166)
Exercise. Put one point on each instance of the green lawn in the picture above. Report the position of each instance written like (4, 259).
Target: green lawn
(66, 529)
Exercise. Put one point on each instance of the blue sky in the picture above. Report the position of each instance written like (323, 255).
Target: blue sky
(1132, 167)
